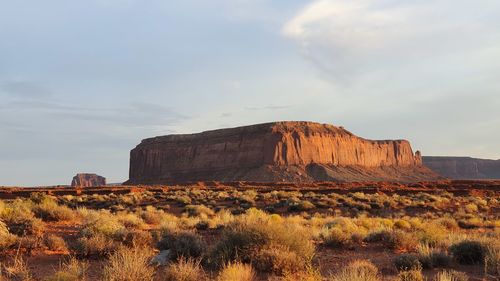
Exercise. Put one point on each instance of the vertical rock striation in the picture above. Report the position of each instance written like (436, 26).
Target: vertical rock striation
(279, 151)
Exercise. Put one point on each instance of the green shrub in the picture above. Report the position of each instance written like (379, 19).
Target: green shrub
(184, 270)
(129, 264)
(407, 262)
(468, 252)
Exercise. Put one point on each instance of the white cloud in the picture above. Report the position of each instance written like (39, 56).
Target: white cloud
(357, 39)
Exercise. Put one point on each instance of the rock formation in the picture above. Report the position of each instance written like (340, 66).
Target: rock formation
(463, 167)
(88, 180)
(279, 151)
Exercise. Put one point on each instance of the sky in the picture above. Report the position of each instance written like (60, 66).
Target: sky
(82, 82)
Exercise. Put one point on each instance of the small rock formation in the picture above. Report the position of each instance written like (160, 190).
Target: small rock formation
(463, 167)
(88, 180)
(275, 152)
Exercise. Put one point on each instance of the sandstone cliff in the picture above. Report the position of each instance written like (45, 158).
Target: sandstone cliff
(279, 151)
(463, 167)
(88, 180)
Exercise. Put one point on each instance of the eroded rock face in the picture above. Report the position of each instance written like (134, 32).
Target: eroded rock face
(88, 180)
(279, 151)
(463, 167)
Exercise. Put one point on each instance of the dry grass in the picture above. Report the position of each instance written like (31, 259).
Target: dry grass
(360, 270)
(71, 270)
(237, 271)
(184, 270)
(129, 264)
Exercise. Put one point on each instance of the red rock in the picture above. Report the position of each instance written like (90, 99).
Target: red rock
(279, 151)
(463, 167)
(88, 180)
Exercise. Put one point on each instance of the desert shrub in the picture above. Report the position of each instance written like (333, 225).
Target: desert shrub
(94, 246)
(48, 210)
(101, 222)
(394, 239)
(310, 274)
(137, 238)
(7, 240)
(129, 264)
(237, 271)
(433, 233)
(278, 260)
(197, 210)
(411, 275)
(256, 230)
(20, 219)
(471, 223)
(184, 270)
(430, 257)
(335, 237)
(72, 270)
(151, 215)
(448, 223)
(182, 244)
(492, 258)
(451, 275)
(402, 224)
(407, 262)
(468, 252)
(302, 205)
(55, 243)
(183, 199)
(359, 270)
(32, 226)
(17, 270)
(130, 220)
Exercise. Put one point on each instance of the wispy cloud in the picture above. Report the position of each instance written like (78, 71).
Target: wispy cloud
(359, 39)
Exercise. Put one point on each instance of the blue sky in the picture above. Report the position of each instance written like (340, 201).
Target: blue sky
(82, 82)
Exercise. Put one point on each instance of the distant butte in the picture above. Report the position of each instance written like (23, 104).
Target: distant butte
(463, 167)
(88, 180)
(275, 152)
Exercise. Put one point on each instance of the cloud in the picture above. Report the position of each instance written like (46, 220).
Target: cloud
(363, 39)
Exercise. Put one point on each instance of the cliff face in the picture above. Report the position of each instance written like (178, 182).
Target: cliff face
(280, 151)
(463, 167)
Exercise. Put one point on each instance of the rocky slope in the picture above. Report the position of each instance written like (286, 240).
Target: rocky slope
(88, 180)
(279, 151)
(463, 167)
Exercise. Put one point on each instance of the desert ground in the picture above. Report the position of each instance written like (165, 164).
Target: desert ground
(445, 230)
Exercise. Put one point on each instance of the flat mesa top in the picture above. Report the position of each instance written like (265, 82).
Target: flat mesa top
(305, 127)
